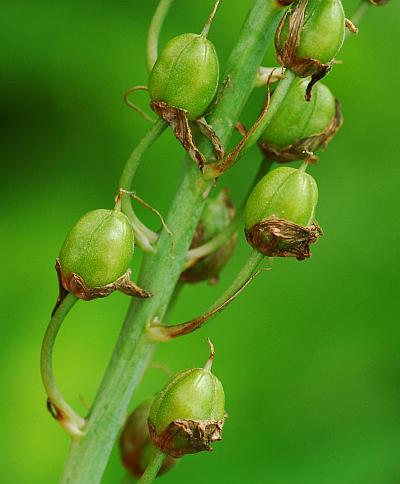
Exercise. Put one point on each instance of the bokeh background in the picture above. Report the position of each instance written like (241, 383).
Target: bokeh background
(309, 355)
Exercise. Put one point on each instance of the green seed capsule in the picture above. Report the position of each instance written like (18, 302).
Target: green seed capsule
(99, 248)
(135, 445)
(96, 254)
(186, 74)
(217, 215)
(280, 211)
(310, 35)
(299, 128)
(188, 414)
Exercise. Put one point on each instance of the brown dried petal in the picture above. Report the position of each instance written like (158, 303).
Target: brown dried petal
(208, 131)
(379, 2)
(76, 285)
(287, 55)
(178, 120)
(280, 238)
(304, 148)
(187, 436)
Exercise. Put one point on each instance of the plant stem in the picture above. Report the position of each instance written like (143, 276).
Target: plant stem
(160, 272)
(161, 333)
(154, 466)
(156, 25)
(144, 236)
(65, 415)
(246, 272)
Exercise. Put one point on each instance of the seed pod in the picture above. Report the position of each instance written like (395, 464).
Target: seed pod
(136, 446)
(189, 413)
(300, 128)
(217, 215)
(309, 37)
(280, 211)
(96, 254)
(186, 75)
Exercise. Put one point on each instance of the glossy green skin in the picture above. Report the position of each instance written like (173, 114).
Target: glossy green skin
(297, 118)
(284, 193)
(99, 248)
(323, 30)
(194, 394)
(186, 74)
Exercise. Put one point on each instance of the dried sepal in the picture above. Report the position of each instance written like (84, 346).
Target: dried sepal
(218, 168)
(179, 122)
(208, 131)
(280, 238)
(351, 27)
(187, 436)
(292, 25)
(74, 283)
(72, 424)
(305, 148)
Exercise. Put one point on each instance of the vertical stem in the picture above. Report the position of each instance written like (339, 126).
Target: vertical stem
(153, 468)
(160, 272)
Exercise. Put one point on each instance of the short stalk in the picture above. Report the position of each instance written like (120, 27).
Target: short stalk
(215, 243)
(156, 462)
(160, 333)
(280, 93)
(60, 409)
(144, 236)
(248, 270)
(155, 30)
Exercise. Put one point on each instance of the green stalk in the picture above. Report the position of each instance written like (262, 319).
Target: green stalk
(144, 237)
(154, 466)
(155, 30)
(160, 271)
(61, 410)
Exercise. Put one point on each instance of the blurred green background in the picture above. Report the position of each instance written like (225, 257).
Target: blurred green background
(309, 355)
